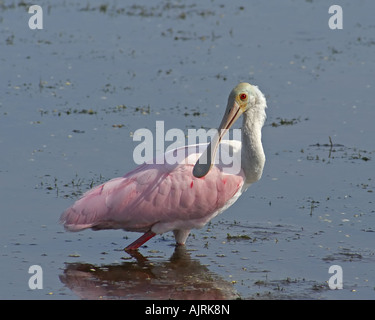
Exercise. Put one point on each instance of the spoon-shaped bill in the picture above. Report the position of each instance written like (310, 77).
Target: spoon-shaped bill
(206, 160)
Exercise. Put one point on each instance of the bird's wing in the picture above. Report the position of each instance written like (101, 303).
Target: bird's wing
(164, 194)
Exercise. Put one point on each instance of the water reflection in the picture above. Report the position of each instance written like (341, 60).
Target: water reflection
(180, 277)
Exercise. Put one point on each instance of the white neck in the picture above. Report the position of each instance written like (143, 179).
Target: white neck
(252, 154)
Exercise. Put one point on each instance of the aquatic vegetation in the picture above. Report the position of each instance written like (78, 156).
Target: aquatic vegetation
(72, 188)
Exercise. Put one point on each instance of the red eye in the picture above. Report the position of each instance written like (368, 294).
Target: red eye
(243, 96)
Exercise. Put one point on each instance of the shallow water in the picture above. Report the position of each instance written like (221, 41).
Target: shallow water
(74, 93)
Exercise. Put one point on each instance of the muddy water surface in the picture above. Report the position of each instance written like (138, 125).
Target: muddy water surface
(73, 94)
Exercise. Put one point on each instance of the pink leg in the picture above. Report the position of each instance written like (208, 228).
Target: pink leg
(141, 240)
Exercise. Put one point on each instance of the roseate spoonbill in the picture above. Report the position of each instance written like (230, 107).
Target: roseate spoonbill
(156, 198)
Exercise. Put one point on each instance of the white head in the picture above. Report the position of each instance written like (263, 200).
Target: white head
(247, 99)
(244, 98)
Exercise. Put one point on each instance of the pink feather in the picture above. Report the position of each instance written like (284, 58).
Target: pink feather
(156, 197)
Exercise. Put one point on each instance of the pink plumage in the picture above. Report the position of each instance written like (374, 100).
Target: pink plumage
(157, 198)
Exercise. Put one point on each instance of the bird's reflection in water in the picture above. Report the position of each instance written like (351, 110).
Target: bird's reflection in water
(180, 277)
